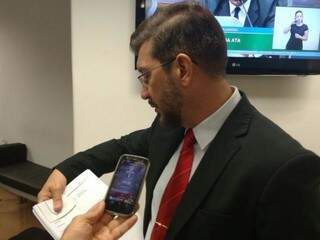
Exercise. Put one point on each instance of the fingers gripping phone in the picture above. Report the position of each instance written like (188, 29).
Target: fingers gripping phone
(126, 185)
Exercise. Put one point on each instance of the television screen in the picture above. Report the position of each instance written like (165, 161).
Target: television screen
(263, 36)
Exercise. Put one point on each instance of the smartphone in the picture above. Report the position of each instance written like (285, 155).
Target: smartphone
(126, 185)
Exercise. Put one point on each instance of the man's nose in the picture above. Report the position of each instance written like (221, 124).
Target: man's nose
(144, 93)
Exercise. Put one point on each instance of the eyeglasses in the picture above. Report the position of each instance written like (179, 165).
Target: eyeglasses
(144, 77)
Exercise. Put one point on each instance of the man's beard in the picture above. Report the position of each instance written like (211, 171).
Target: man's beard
(170, 119)
(171, 103)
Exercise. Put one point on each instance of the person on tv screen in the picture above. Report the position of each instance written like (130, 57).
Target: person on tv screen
(299, 32)
(251, 13)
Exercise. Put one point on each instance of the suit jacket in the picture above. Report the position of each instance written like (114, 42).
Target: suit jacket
(261, 12)
(254, 181)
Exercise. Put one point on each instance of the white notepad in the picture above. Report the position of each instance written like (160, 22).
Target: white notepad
(79, 196)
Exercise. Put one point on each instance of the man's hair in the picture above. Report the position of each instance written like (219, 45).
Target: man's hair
(184, 28)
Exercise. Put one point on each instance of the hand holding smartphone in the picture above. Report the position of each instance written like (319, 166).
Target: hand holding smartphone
(126, 185)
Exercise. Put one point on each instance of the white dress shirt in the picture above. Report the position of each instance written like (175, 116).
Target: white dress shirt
(204, 133)
(243, 9)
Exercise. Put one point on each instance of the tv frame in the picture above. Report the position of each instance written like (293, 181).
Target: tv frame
(256, 66)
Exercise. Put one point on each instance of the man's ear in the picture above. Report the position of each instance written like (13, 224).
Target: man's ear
(184, 69)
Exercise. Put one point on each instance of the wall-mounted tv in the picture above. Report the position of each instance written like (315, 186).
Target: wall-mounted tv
(275, 37)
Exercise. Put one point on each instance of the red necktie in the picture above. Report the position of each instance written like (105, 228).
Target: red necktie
(175, 188)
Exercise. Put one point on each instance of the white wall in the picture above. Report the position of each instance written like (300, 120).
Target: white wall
(35, 78)
(106, 100)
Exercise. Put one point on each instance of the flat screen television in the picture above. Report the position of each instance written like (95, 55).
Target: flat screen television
(276, 37)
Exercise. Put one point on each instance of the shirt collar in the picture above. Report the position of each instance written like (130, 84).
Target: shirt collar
(206, 131)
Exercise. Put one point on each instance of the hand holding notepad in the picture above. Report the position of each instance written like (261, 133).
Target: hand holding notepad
(79, 196)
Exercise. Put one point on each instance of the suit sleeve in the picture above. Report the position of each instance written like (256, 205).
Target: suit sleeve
(103, 157)
(290, 204)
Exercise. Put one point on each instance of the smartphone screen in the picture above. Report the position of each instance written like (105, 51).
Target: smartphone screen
(126, 184)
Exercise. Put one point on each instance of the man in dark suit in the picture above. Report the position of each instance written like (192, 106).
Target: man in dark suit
(261, 13)
(231, 172)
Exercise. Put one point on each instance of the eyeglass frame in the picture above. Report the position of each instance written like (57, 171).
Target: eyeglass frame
(142, 77)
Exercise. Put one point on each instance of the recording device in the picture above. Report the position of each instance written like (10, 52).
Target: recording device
(126, 185)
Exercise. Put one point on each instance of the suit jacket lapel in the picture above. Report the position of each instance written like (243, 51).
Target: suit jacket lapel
(220, 152)
(253, 13)
(161, 152)
(166, 142)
